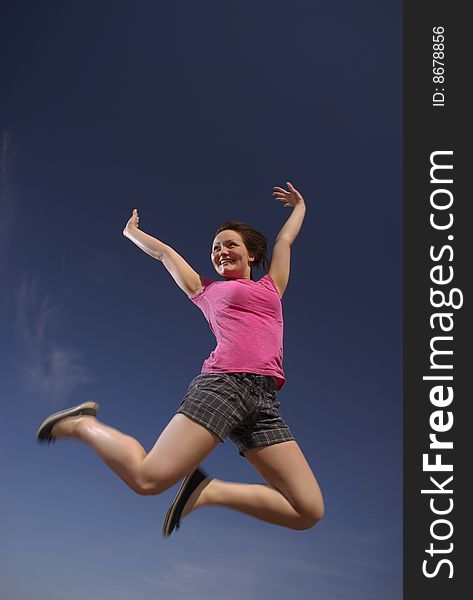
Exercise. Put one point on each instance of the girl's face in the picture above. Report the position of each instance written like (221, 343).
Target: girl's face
(230, 257)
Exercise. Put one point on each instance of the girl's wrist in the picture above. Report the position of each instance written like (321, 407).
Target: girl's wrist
(129, 231)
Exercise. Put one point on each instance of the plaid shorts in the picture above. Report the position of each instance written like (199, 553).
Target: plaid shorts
(242, 406)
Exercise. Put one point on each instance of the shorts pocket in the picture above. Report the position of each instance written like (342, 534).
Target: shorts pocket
(209, 381)
(270, 398)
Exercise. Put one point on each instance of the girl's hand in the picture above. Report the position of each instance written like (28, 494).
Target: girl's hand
(133, 223)
(291, 197)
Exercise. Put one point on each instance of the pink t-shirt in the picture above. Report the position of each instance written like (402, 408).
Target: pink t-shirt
(246, 318)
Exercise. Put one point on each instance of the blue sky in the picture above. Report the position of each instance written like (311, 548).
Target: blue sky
(191, 112)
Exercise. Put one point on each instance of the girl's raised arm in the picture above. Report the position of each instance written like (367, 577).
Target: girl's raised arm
(183, 274)
(281, 257)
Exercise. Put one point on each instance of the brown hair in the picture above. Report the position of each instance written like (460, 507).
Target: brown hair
(256, 243)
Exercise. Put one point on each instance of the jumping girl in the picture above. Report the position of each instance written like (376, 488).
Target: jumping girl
(235, 394)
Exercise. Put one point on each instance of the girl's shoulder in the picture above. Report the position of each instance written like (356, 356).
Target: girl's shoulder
(267, 282)
(206, 282)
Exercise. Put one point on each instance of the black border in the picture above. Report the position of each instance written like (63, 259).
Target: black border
(429, 128)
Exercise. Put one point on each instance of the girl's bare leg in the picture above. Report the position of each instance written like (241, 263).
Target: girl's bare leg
(181, 447)
(292, 499)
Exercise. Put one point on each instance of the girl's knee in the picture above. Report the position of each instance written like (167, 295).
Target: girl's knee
(310, 515)
(309, 520)
(152, 484)
(147, 488)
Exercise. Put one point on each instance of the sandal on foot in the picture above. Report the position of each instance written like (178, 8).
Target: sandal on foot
(173, 516)
(44, 432)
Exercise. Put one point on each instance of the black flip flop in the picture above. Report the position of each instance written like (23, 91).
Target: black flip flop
(173, 516)
(43, 434)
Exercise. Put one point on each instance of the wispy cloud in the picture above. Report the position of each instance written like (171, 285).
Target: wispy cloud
(51, 370)
(34, 313)
(332, 563)
(272, 578)
(59, 372)
(196, 580)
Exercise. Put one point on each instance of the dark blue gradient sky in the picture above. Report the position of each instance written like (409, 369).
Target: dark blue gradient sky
(192, 111)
